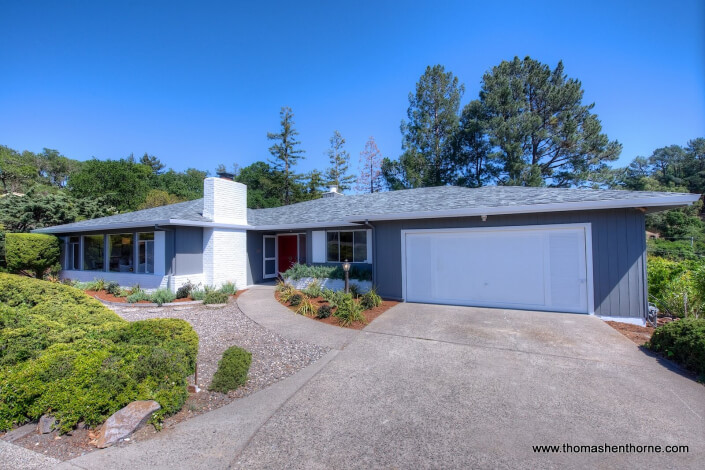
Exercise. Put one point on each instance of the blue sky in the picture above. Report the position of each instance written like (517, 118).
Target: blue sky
(199, 83)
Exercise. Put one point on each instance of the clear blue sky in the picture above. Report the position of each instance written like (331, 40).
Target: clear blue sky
(198, 83)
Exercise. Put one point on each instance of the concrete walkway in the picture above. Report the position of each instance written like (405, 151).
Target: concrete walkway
(259, 305)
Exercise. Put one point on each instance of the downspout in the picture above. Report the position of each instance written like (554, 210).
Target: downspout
(172, 269)
(374, 253)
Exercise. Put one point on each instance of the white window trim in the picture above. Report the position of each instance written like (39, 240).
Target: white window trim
(367, 246)
(588, 250)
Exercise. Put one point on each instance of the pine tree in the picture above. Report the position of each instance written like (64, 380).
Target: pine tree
(370, 179)
(427, 135)
(286, 153)
(337, 173)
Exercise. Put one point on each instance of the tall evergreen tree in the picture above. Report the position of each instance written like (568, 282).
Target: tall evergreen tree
(370, 178)
(337, 173)
(286, 153)
(544, 132)
(472, 152)
(153, 162)
(432, 121)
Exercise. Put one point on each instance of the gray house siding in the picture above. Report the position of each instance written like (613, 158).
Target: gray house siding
(254, 257)
(188, 249)
(618, 246)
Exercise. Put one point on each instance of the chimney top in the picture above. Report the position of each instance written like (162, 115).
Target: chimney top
(333, 189)
(225, 175)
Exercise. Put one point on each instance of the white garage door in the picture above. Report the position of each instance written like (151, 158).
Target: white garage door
(538, 268)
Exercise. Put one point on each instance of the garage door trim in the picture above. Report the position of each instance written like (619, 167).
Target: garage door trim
(587, 227)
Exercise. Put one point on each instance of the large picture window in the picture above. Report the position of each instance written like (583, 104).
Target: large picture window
(347, 245)
(121, 253)
(93, 252)
(145, 252)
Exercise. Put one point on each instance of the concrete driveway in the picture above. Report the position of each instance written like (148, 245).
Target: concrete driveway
(428, 386)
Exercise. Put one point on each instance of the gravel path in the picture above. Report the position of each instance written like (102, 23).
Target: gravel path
(273, 357)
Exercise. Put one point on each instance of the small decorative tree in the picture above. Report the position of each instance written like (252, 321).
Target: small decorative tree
(31, 253)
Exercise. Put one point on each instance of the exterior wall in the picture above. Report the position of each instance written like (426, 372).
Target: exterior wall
(188, 251)
(618, 246)
(224, 256)
(148, 282)
(254, 257)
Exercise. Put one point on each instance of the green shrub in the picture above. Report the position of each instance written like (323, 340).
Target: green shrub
(313, 290)
(232, 370)
(162, 296)
(370, 300)
(300, 271)
(306, 307)
(137, 295)
(349, 311)
(354, 290)
(228, 288)
(324, 311)
(295, 300)
(2, 248)
(287, 293)
(64, 352)
(684, 342)
(661, 271)
(215, 297)
(31, 252)
(185, 290)
(198, 294)
(113, 288)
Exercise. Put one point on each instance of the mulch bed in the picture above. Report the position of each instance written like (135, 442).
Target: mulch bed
(368, 314)
(638, 334)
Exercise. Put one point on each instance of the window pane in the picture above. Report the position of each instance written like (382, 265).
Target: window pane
(346, 246)
(93, 253)
(360, 249)
(145, 253)
(75, 256)
(269, 247)
(333, 249)
(302, 249)
(120, 253)
(269, 267)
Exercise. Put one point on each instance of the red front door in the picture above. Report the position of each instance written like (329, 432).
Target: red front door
(288, 251)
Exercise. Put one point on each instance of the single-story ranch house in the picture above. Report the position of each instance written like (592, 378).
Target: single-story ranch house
(564, 250)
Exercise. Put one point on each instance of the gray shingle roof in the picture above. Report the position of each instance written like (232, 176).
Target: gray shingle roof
(189, 210)
(446, 198)
(332, 210)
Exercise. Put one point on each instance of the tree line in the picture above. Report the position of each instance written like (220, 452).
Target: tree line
(527, 126)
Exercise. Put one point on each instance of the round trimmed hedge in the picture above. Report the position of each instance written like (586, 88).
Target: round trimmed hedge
(63, 352)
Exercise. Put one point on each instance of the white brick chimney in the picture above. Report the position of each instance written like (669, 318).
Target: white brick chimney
(225, 201)
(225, 249)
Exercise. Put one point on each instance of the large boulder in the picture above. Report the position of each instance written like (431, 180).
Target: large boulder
(124, 422)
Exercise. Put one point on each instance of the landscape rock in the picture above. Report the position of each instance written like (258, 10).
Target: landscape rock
(46, 424)
(125, 421)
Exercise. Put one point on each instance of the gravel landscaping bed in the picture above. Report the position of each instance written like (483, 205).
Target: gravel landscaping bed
(219, 327)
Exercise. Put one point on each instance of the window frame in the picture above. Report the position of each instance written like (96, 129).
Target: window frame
(367, 241)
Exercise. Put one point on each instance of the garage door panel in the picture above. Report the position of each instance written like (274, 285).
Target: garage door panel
(528, 268)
